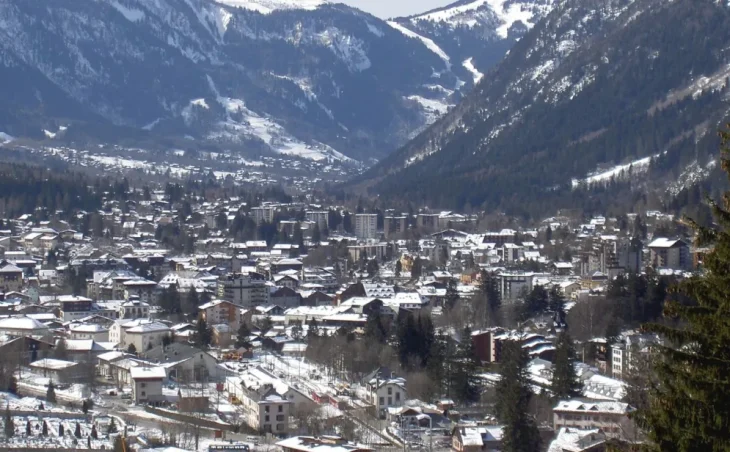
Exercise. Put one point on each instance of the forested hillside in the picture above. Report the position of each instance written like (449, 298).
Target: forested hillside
(595, 85)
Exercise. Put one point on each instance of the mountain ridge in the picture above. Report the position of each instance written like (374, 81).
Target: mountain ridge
(572, 95)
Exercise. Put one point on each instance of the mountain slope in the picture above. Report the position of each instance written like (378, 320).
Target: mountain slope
(298, 77)
(477, 34)
(595, 84)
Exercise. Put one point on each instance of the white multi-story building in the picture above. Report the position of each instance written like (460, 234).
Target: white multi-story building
(243, 289)
(366, 225)
(611, 417)
(263, 214)
(264, 400)
(319, 217)
(144, 334)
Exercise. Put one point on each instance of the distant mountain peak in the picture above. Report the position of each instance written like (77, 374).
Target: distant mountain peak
(269, 6)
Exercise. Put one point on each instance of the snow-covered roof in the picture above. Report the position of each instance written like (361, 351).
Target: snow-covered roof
(606, 407)
(52, 364)
(147, 373)
(21, 323)
(662, 242)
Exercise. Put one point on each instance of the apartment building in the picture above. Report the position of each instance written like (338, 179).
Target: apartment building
(243, 289)
(609, 416)
(366, 226)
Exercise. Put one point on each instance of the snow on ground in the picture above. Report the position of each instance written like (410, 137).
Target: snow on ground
(507, 15)
(248, 122)
(635, 167)
(432, 109)
(469, 66)
(131, 14)
(432, 46)
(269, 6)
(5, 138)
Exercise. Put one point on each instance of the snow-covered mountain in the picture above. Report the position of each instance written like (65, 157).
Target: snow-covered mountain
(476, 34)
(592, 96)
(297, 77)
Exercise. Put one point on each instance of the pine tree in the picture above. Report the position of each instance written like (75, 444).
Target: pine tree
(520, 432)
(242, 336)
(313, 330)
(60, 430)
(28, 429)
(44, 429)
(204, 334)
(565, 383)
(375, 330)
(398, 268)
(491, 299)
(464, 369)
(85, 407)
(8, 425)
(132, 349)
(77, 431)
(452, 295)
(94, 433)
(416, 268)
(13, 385)
(51, 393)
(112, 427)
(689, 407)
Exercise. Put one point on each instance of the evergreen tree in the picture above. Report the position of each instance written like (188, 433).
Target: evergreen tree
(548, 234)
(13, 385)
(491, 297)
(242, 336)
(313, 330)
(60, 430)
(565, 383)
(375, 330)
(465, 367)
(452, 295)
(112, 427)
(132, 349)
(520, 432)
(535, 303)
(689, 407)
(204, 334)
(77, 431)
(85, 407)
(8, 425)
(398, 268)
(60, 351)
(372, 267)
(94, 433)
(28, 429)
(556, 304)
(44, 429)
(51, 393)
(416, 268)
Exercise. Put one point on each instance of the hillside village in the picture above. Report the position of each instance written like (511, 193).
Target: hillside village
(169, 322)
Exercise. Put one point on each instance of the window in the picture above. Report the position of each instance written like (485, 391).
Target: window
(266, 409)
(279, 427)
(397, 396)
(143, 394)
(143, 385)
(266, 419)
(382, 401)
(281, 408)
(280, 418)
(390, 400)
(390, 391)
